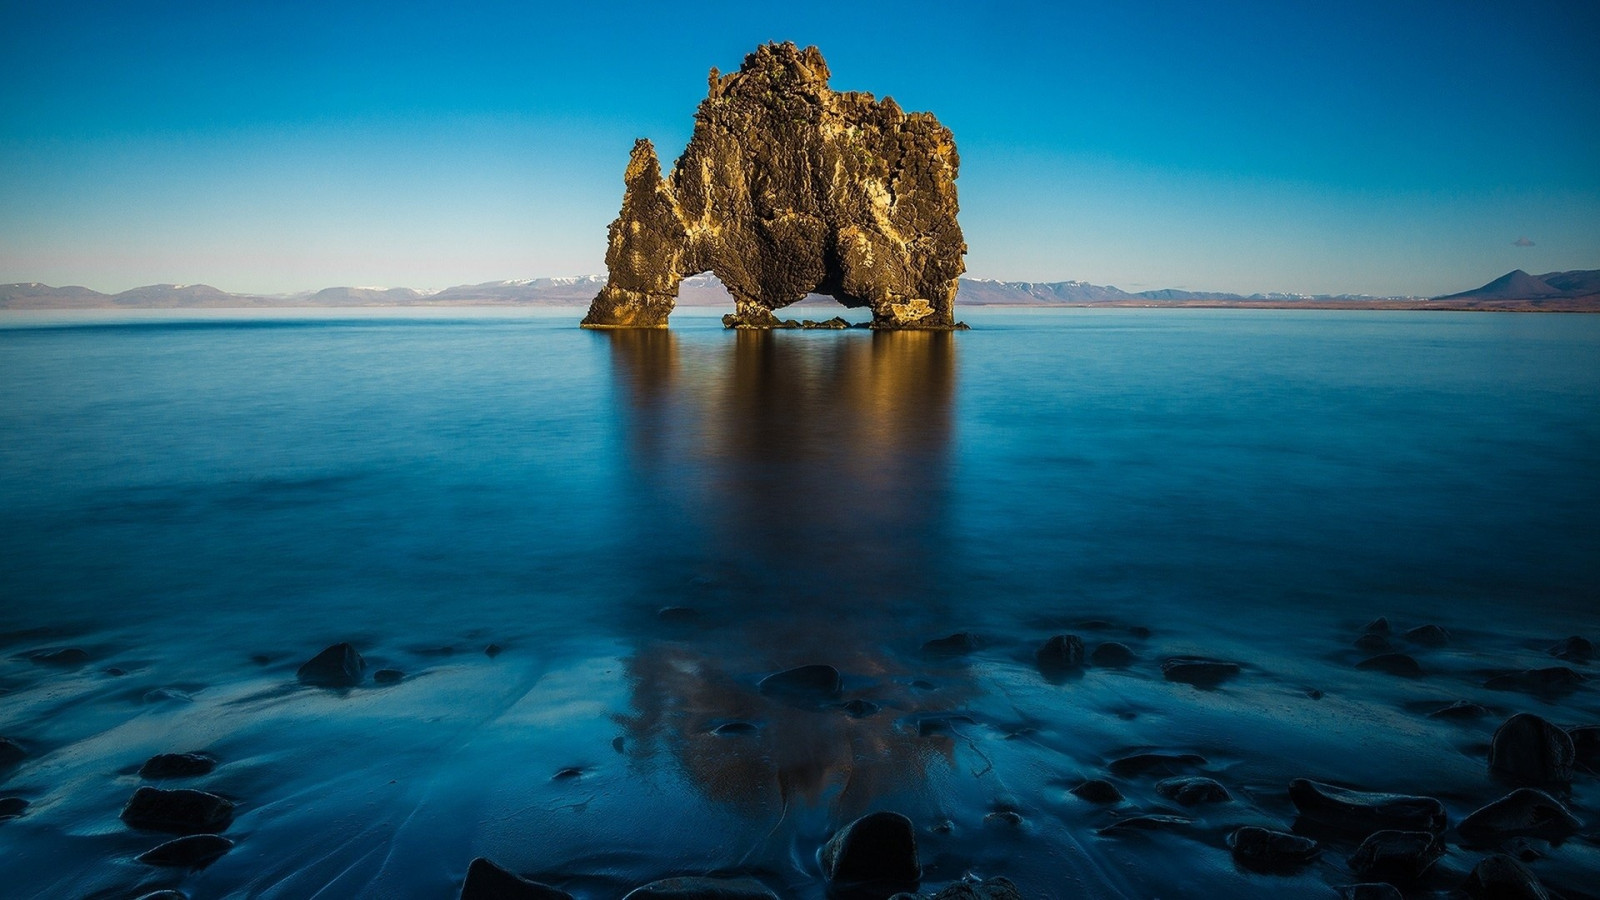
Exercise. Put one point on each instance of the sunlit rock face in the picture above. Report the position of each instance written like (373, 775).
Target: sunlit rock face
(789, 188)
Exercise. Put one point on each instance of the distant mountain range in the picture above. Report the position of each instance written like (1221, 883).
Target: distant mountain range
(1564, 291)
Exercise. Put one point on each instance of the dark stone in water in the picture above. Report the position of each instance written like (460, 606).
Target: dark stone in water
(1524, 812)
(1264, 850)
(1574, 649)
(65, 656)
(1551, 680)
(860, 709)
(1155, 763)
(11, 753)
(1526, 749)
(1393, 664)
(115, 672)
(493, 650)
(1397, 857)
(1061, 653)
(177, 812)
(1145, 823)
(678, 615)
(1372, 643)
(1193, 790)
(1461, 710)
(337, 666)
(193, 852)
(814, 682)
(164, 895)
(1500, 877)
(733, 729)
(177, 765)
(567, 774)
(1199, 671)
(1586, 746)
(880, 847)
(12, 807)
(388, 676)
(1363, 812)
(1380, 625)
(958, 644)
(1372, 890)
(702, 888)
(1098, 790)
(987, 889)
(1428, 636)
(1112, 655)
(1004, 817)
(487, 881)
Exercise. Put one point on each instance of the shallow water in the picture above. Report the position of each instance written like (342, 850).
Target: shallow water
(205, 501)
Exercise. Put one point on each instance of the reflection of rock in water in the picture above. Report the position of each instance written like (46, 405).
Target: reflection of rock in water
(792, 492)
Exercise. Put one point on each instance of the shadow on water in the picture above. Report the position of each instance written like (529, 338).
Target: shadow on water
(790, 510)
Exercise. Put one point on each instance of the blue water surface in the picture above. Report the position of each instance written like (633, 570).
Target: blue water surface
(202, 501)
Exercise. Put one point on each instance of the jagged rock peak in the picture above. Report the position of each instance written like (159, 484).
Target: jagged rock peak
(789, 188)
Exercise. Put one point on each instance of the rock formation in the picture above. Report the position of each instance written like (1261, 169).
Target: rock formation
(788, 188)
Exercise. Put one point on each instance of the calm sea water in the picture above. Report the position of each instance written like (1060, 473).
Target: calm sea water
(202, 502)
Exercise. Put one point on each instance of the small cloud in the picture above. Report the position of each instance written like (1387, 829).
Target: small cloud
(1522, 242)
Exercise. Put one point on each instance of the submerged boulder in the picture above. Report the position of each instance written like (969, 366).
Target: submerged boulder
(1199, 671)
(1527, 749)
(1193, 790)
(177, 765)
(195, 851)
(487, 881)
(1524, 812)
(788, 188)
(813, 682)
(1364, 812)
(1059, 655)
(1500, 877)
(1397, 857)
(1264, 850)
(879, 848)
(177, 812)
(337, 666)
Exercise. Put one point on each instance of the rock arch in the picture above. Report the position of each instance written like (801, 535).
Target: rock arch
(788, 188)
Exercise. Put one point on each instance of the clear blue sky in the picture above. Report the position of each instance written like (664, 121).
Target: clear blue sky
(1380, 147)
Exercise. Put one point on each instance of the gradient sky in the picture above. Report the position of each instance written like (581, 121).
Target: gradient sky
(1377, 147)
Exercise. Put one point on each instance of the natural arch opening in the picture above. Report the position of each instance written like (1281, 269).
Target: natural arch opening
(706, 292)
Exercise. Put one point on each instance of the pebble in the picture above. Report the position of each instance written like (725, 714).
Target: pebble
(493, 650)
(813, 682)
(1364, 812)
(1527, 749)
(196, 851)
(1546, 681)
(1397, 857)
(177, 812)
(1380, 625)
(1199, 671)
(1061, 653)
(12, 807)
(1372, 643)
(1525, 812)
(880, 847)
(487, 881)
(1500, 877)
(1392, 664)
(1428, 636)
(1461, 710)
(177, 765)
(733, 729)
(1574, 649)
(1264, 850)
(1112, 655)
(1155, 763)
(1098, 790)
(958, 644)
(1193, 790)
(337, 666)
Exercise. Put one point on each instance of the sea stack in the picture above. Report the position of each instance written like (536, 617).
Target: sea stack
(788, 188)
